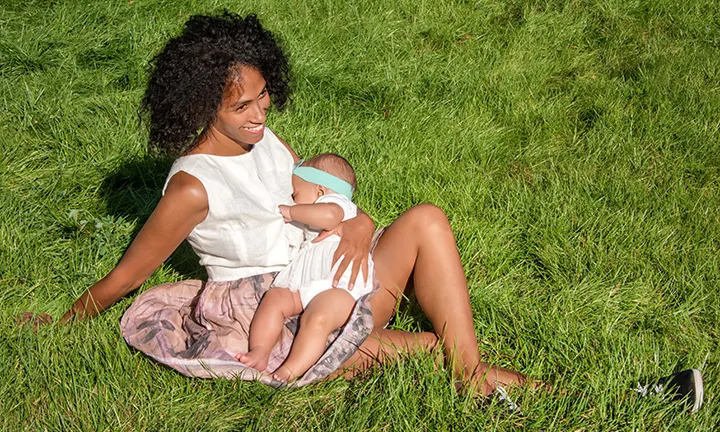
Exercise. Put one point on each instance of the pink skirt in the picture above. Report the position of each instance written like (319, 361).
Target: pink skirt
(198, 327)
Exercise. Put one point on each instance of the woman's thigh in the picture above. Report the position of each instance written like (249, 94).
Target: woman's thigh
(395, 256)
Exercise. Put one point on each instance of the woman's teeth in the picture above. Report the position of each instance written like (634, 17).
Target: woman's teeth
(254, 129)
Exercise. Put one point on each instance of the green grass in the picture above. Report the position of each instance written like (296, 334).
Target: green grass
(574, 146)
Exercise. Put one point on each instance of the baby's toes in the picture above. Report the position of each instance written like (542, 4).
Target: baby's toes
(283, 374)
(246, 359)
(279, 377)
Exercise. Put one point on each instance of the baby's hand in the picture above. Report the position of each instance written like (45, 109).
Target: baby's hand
(285, 211)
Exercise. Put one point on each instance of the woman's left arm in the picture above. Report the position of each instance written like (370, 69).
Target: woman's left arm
(355, 239)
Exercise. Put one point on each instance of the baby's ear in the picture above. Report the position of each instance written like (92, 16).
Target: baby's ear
(320, 190)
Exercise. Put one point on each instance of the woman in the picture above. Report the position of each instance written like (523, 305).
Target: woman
(207, 99)
(208, 96)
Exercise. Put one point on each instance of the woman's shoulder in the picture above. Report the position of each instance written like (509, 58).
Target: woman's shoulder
(275, 143)
(186, 174)
(188, 188)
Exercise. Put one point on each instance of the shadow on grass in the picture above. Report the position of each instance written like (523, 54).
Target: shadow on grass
(132, 193)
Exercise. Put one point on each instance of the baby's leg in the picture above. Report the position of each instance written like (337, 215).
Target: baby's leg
(326, 311)
(266, 326)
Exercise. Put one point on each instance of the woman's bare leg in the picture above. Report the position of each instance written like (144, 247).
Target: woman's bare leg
(420, 243)
(384, 345)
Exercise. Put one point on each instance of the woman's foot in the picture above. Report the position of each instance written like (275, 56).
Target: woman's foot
(485, 378)
(256, 358)
(490, 382)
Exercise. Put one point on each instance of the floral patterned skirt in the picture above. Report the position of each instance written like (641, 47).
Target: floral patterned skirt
(198, 327)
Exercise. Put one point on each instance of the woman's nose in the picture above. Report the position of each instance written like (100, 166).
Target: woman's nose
(259, 113)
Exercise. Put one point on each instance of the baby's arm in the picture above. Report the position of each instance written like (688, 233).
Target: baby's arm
(325, 216)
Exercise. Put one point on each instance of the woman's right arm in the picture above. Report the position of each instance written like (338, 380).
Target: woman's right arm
(184, 205)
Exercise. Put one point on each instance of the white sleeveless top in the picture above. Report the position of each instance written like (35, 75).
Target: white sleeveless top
(244, 233)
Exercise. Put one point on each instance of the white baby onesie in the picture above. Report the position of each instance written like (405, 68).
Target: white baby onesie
(311, 272)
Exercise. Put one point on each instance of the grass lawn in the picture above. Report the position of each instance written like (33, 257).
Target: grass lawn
(575, 146)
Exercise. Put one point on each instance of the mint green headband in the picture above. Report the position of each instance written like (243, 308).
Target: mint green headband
(319, 177)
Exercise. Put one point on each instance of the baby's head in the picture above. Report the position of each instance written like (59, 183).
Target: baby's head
(306, 191)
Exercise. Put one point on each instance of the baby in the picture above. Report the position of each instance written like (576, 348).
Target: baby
(322, 190)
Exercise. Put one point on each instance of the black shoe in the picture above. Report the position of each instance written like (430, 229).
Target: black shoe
(686, 385)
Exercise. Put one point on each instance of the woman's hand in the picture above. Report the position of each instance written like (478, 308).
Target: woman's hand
(355, 238)
(32, 319)
(183, 206)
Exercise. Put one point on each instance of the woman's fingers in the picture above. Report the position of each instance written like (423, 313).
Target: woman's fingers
(33, 319)
(347, 256)
(365, 270)
(354, 272)
(354, 248)
(323, 235)
(344, 263)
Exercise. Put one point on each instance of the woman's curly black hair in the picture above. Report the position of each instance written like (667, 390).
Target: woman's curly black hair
(189, 75)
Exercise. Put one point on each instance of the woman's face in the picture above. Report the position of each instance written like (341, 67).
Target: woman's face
(241, 117)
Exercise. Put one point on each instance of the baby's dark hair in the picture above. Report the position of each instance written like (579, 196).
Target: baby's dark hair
(189, 76)
(333, 164)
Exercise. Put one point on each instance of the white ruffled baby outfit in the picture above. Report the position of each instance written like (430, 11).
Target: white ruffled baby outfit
(312, 271)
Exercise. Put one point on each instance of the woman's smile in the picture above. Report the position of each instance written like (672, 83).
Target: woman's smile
(254, 129)
(240, 121)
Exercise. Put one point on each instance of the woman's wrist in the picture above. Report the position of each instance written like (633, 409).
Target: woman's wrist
(68, 316)
(80, 310)
(367, 222)
(103, 294)
(360, 229)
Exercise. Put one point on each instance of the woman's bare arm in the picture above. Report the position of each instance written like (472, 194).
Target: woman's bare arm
(184, 205)
(354, 247)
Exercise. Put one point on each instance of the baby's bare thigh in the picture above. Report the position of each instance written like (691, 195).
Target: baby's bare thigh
(288, 302)
(331, 308)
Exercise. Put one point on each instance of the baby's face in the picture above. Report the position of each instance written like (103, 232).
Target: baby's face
(304, 192)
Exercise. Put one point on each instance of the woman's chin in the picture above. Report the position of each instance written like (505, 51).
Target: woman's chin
(252, 138)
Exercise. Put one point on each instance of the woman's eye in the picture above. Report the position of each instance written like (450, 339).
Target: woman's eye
(241, 107)
(264, 92)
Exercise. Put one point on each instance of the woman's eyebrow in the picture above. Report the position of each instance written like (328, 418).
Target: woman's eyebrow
(244, 101)
(240, 102)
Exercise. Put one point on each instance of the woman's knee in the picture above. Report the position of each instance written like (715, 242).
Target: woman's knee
(429, 217)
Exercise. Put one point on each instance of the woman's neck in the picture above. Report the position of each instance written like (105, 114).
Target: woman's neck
(214, 143)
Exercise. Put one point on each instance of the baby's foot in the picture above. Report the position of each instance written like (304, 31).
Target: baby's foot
(284, 374)
(256, 358)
